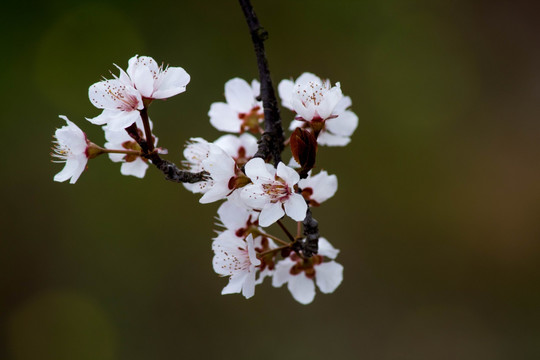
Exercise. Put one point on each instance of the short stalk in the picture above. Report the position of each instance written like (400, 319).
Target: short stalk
(260, 255)
(147, 130)
(120, 151)
(260, 233)
(289, 235)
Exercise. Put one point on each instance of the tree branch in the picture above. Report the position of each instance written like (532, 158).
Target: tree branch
(311, 231)
(169, 169)
(271, 142)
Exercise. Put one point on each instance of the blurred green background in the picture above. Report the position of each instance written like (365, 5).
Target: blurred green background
(437, 213)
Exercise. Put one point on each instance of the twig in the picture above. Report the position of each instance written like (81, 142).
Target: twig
(271, 143)
(169, 169)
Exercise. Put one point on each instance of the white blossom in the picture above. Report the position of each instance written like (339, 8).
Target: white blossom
(235, 257)
(242, 112)
(119, 100)
(70, 147)
(319, 188)
(321, 106)
(204, 156)
(310, 97)
(272, 192)
(240, 148)
(156, 82)
(301, 275)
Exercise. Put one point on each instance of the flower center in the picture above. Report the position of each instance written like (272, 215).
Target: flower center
(251, 121)
(61, 151)
(277, 191)
(312, 92)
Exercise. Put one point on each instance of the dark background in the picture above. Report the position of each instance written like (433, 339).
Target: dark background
(436, 216)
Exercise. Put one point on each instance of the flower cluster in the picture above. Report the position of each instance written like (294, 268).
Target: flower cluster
(124, 100)
(255, 193)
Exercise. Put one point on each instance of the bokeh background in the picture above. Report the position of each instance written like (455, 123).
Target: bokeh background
(437, 213)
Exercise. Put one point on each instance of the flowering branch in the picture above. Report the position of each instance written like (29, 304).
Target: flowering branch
(168, 168)
(233, 168)
(272, 140)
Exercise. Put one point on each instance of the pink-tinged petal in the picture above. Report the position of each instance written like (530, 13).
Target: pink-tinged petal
(224, 118)
(302, 289)
(253, 196)
(288, 174)
(115, 95)
(239, 95)
(328, 276)
(257, 171)
(171, 81)
(271, 213)
(342, 105)
(135, 168)
(326, 249)
(285, 90)
(282, 273)
(325, 138)
(344, 124)
(296, 207)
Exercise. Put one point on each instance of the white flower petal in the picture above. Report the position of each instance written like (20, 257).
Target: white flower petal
(257, 171)
(282, 272)
(326, 249)
(253, 196)
(324, 186)
(325, 138)
(171, 81)
(343, 125)
(328, 276)
(302, 289)
(296, 207)
(224, 118)
(135, 168)
(233, 216)
(285, 90)
(288, 174)
(239, 95)
(271, 213)
(235, 284)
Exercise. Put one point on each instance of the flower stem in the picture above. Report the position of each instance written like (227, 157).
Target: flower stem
(272, 237)
(147, 130)
(120, 151)
(289, 235)
(272, 250)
